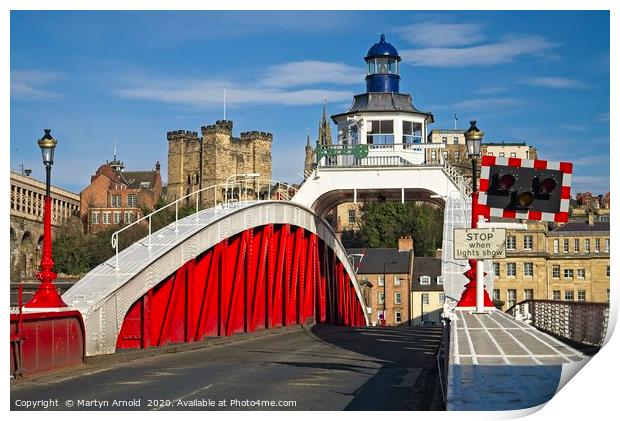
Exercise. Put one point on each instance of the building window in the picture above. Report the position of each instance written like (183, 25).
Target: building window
(569, 295)
(442, 298)
(511, 269)
(607, 294)
(496, 269)
(117, 218)
(445, 155)
(397, 298)
(586, 245)
(608, 271)
(444, 139)
(513, 154)
(425, 298)
(512, 297)
(555, 271)
(351, 216)
(606, 245)
(381, 132)
(380, 281)
(502, 154)
(433, 155)
(490, 153)
(557, 295)
(95, 218)
(556, 246)
(425, 280)
(576, 245)
(568, 274)
(455, 140)
(440, 280)
(528, 269)
(106, 218)
(412, 132)
(128, 218)
(597, 245)
(397, 281)
(566, 245)
(511, 242)
(131, 200)
(457, 156)
(496, 294)
(528, 242)
(398, 316)
(581, 295)
(115, 200)
(528, 294)
(381, 298)
(581, 273)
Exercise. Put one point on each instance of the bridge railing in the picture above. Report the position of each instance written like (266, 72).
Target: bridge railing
(249, 189)
(581, 322)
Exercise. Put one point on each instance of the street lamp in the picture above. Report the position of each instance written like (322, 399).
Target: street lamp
(47, 296)
(474, 294)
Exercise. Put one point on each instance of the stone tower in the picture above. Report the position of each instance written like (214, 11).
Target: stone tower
(325, 131)
(309, 161)
(195, 163)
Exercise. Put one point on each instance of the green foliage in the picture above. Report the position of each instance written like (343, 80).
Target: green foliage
(383, 223)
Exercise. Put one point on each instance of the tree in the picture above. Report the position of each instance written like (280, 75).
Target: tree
(383, 223)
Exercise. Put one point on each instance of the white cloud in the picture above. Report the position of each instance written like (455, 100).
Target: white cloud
(485, 103)
(555, 83)
(27, 84)
(505, 51)
(434, 34)
(591, 160)
(310, 72)
(207, 94)
(491, 90)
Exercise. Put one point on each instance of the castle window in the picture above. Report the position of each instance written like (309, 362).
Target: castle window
(189, 179)
(196, 178)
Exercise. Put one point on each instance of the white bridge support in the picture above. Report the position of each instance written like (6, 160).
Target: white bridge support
(328, 187)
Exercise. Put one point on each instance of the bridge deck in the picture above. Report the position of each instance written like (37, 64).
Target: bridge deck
(499, 363)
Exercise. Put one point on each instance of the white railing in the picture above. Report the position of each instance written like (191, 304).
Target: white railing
(458, 178)
(275, 190)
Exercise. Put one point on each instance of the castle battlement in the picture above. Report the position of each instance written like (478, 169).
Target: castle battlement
(182, 135)
(220, 126)
(256, 135)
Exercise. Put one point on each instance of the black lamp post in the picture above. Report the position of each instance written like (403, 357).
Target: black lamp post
(473, 139)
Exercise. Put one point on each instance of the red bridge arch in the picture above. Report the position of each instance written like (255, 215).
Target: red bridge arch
(264, 277)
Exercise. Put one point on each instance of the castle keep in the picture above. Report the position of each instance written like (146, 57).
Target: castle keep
(198, 162)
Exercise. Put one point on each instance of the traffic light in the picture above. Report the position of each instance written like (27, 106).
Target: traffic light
(525, 189)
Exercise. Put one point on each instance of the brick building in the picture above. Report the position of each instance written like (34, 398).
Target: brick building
(570, 263)
(197, 162)
(115, 197)
(384, 276)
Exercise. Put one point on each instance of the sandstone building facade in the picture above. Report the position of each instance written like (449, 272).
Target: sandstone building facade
(196, 162)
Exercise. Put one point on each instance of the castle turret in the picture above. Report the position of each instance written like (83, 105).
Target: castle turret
(325, 131)
(382, 68)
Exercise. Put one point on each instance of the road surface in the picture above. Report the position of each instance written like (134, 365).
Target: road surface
(318, 368)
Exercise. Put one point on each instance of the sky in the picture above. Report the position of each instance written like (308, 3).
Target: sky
(94, 77)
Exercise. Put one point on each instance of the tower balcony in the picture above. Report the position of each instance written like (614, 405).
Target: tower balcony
(380, 155)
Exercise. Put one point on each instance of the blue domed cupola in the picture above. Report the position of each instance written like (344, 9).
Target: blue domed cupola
(382, 68)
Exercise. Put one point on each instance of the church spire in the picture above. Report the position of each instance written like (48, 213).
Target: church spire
(325, 131)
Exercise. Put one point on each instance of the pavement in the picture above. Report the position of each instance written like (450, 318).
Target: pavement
(317, 368)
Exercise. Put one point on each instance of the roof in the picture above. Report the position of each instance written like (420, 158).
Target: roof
(134, 179)
(582, 227)
(374, 258)
(446, 131)
(504, 144)
(382, 49)
(426, 266)
(383, 102)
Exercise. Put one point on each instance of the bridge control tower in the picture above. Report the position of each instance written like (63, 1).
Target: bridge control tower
(384, 120)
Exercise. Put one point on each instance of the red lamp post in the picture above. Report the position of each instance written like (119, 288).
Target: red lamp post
(47, 296)
(474, 295)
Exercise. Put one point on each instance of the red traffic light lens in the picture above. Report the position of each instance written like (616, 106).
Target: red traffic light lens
(526, 198)
(548, 185)
(506, 181)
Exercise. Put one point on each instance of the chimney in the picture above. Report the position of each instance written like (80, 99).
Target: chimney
(157, 166)
(405, 243)
(591, 218)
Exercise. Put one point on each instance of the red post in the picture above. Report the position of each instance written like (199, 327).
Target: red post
(46, 296)
(468, 298)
